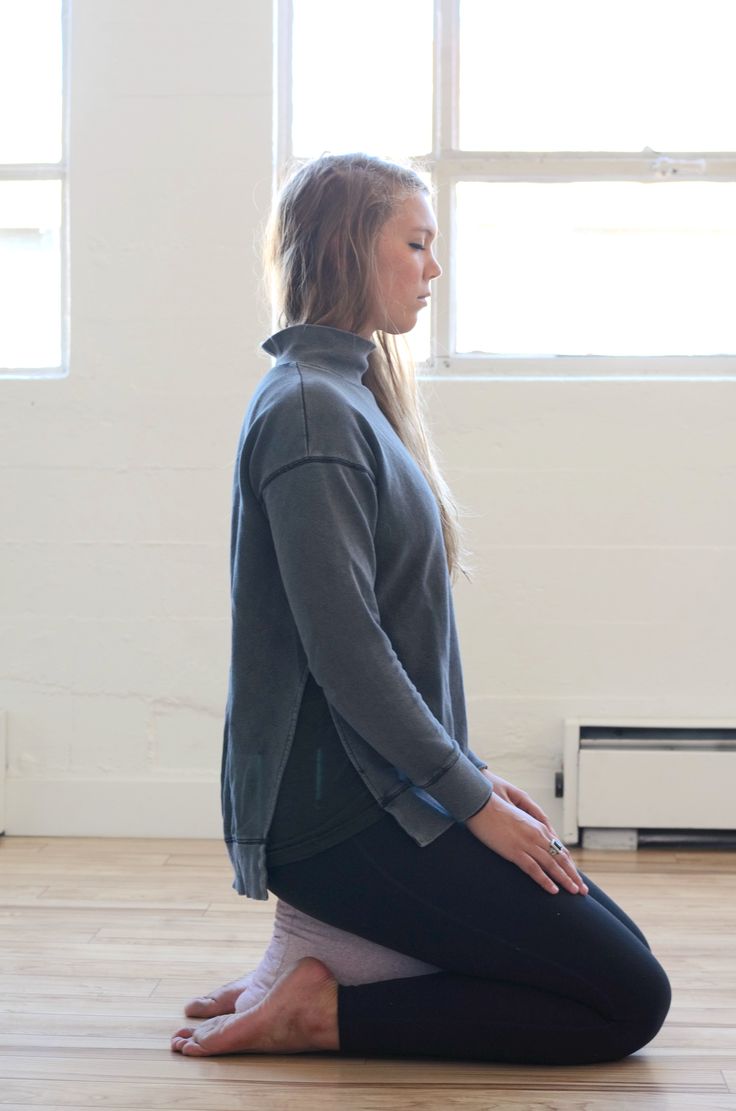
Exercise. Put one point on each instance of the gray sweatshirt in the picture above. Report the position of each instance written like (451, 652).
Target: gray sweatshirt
(338, 567)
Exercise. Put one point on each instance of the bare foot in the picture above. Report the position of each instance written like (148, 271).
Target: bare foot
(220, 1002)
(299, 1015)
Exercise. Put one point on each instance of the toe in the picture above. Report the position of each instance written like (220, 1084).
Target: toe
(204, 1006)
(211, 1037)
(193, 1049)
(220, 1002)
(183, 1032)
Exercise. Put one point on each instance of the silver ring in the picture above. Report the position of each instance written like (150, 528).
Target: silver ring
(555, 846)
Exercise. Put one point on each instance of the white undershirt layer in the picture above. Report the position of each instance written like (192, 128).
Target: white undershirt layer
(351, 959)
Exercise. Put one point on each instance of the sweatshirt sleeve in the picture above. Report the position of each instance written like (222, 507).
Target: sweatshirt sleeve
(322, 515)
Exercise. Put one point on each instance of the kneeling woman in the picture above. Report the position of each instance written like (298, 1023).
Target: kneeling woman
(348, 787)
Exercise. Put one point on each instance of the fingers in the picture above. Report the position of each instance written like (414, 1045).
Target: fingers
(565, 872)
(536, 812)
(527, 803)
(560, 865)
(509, 830)
(564, 860)
(546, 868)
(534, 870)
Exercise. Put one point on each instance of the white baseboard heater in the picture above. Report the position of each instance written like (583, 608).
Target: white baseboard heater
(627, 783)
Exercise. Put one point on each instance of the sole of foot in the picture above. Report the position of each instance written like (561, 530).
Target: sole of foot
(298, 1015)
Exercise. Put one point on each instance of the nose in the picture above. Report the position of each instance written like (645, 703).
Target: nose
(434, 270)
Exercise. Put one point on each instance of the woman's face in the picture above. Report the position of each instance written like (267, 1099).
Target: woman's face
(406, 265)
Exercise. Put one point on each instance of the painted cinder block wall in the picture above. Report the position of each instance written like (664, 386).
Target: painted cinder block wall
(600, 514)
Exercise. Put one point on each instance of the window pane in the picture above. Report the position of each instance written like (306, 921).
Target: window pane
(578, 76)
(596, 268)
(30, 274)
(362, 77)
(30, 80)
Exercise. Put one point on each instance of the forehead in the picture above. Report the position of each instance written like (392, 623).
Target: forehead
(415, 213)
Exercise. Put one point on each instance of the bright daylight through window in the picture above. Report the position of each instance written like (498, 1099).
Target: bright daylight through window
(585, 157)
(31, 181)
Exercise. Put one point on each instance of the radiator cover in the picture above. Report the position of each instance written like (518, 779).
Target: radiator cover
(632, 775)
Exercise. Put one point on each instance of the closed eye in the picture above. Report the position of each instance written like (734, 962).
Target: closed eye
(418, 246)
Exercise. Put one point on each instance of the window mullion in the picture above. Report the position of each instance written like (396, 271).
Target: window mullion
(33, 171)
(647, 165)
(446, 67)
(445, 132)
(283, 107)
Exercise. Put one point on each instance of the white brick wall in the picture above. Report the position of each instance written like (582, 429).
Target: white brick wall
(115, 538)
(602, 514)
(604, 531)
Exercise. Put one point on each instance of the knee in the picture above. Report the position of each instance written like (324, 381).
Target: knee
(652, 1004)
(659, 1004)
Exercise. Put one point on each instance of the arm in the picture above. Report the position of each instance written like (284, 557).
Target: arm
(322, 515)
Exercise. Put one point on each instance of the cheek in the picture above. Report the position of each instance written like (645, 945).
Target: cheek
(406, 275)
(401, 275)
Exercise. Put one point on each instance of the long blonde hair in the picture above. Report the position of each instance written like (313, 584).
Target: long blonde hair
(319, 254)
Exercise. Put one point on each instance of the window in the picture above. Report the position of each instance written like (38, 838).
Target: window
(34, 331)
(571, 244)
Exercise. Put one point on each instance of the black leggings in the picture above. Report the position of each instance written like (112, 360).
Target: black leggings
(530, 977)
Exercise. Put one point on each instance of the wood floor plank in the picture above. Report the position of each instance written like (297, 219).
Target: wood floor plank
(212, 1096)
(25, 1028)
(125, 1006)
(427, 1101)
(52, 983)
(640, 1074)
(71, 898)
(12, 936)
(208, 968)
(719, 1039)
(175, 932)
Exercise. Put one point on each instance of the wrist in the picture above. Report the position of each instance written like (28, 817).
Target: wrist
(480, 808)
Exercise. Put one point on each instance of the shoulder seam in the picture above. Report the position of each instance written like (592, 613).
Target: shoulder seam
(303, 397)
(304, 407)
(299, 363)
(316, 459)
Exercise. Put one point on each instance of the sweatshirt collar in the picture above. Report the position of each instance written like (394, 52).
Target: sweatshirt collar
(322, 346)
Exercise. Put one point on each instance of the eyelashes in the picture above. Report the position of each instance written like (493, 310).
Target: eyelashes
(418, 246)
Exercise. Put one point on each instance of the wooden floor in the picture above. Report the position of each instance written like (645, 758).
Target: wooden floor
(103, 940)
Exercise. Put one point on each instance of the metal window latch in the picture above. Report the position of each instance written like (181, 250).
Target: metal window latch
(664, 166)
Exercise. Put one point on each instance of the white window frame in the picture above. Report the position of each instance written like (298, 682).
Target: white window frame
(52, 171)
(449, 165)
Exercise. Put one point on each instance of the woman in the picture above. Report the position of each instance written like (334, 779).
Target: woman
(348, 787)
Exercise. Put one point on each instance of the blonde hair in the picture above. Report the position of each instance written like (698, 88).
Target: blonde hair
(319, 254)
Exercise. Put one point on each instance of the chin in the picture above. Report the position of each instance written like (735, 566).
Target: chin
(394, 329)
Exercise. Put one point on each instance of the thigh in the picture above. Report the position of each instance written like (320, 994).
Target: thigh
(458, 905)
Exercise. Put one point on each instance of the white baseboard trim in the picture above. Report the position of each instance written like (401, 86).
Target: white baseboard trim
(3, 761)
(112, 808)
